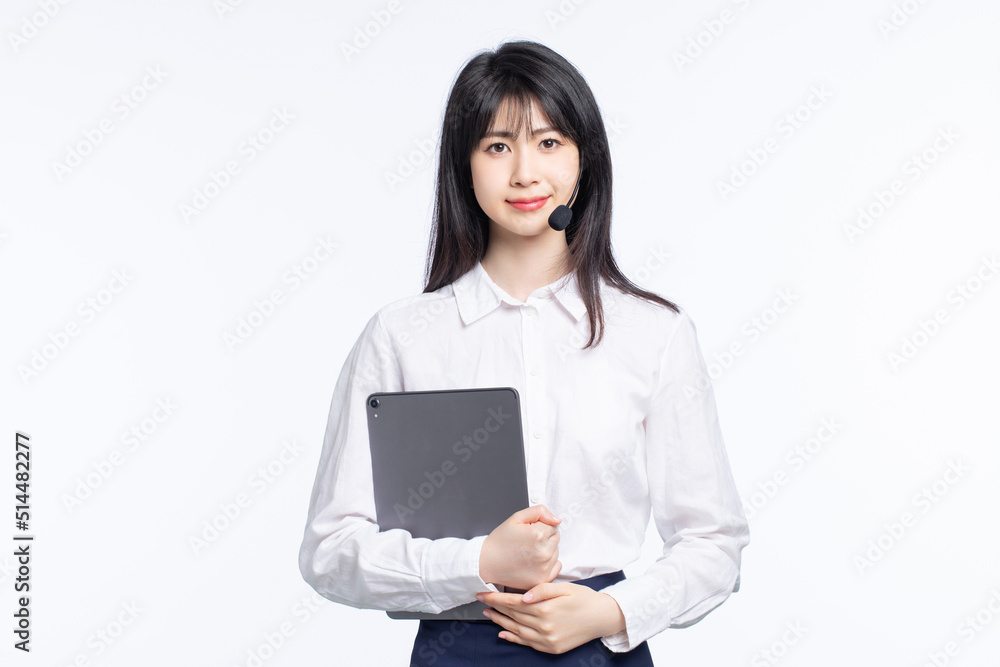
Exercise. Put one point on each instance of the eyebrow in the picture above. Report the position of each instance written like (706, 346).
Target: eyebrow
(505, 134)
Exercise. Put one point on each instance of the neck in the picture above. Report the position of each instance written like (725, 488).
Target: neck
(521, 264)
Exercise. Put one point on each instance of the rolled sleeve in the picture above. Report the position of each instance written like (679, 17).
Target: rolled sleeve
(695, 503)
(343, 555)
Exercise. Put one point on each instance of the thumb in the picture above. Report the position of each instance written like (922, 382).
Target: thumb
(540, 513)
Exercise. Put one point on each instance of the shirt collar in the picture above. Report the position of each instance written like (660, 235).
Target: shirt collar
(477, 294)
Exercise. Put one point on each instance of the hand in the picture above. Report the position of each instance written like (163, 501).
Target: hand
(557, 618)
(523, 550)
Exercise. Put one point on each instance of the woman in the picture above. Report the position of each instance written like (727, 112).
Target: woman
(618, 415)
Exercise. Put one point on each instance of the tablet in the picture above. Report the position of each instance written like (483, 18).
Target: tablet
(447, 463)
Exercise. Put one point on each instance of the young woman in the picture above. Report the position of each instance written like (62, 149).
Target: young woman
(618, 415)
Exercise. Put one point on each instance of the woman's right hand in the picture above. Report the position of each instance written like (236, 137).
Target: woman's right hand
(523, 551)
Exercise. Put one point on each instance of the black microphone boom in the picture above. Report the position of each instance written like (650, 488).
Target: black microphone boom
(560, 218)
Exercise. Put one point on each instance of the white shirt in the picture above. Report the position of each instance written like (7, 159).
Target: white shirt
(610, 433)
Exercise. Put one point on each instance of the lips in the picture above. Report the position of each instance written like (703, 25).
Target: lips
(528, 204)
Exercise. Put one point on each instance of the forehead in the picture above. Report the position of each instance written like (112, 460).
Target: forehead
(513, 115)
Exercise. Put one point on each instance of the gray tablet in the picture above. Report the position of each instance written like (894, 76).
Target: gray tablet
(447, 463)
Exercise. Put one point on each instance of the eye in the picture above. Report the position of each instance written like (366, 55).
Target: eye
(489, 149)
(550, 141)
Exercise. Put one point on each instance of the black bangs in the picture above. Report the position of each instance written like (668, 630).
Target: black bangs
(515, 112)
(503, 89)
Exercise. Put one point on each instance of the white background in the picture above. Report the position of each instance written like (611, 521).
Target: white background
(678, 128)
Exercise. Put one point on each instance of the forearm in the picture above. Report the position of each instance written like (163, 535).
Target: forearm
(359, 566)
(678, 590)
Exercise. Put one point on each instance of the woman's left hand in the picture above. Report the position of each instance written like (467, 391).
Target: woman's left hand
(558, 617)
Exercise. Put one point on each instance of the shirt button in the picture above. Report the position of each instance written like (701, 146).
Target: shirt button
(537, 434)
(535, 499)
(533, 371)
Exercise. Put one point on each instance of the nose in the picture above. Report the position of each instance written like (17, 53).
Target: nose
(525, 170)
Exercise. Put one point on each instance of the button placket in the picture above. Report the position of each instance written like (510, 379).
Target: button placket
(534, 399)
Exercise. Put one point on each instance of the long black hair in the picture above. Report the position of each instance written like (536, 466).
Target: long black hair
(522, 72)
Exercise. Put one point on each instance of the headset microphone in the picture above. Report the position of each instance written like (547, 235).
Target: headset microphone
(560, 218)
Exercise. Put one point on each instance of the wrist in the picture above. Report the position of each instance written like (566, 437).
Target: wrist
(614, 619)
(485, 571)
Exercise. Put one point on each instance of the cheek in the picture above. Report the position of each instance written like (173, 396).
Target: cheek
(485, 184)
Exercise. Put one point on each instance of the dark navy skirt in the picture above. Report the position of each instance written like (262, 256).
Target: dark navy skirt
(476, 644)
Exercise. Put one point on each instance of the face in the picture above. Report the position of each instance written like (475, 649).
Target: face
(519, 181)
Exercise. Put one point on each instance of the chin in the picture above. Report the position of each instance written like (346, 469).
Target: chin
(528, 227)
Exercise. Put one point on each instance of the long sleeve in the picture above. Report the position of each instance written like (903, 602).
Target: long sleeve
(695, 503)
(343, 555)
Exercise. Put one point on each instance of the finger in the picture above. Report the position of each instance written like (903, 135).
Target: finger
(504, 621)
(493, 599)
(514, 632)
(513, 638)
(546, 591)
(535, 594)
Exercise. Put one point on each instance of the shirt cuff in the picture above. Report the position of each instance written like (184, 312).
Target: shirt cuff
(618, 642)
(451, 571)
(633, 597)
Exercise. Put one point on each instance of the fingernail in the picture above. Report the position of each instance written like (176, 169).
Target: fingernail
(528, 597)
